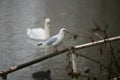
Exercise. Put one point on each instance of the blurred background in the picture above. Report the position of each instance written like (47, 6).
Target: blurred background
(77, 16)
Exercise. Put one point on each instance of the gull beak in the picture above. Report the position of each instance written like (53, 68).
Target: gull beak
(67, 31)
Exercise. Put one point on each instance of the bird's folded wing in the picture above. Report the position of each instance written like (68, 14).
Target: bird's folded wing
(51, 41)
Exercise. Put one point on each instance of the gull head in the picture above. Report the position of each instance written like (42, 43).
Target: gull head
(64, 30)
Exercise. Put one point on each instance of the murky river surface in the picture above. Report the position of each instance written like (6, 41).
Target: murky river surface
(75, 15)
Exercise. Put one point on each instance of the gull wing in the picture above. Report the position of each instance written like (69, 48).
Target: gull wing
(51, 40)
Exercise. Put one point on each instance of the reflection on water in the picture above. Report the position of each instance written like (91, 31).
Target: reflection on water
(18, 15)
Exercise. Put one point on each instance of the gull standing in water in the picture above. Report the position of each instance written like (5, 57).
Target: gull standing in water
(56, 40)
(40, 33)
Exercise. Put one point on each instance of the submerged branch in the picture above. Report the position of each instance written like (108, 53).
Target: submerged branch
(18, 67)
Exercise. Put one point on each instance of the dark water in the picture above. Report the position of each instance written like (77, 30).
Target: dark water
(75, 15)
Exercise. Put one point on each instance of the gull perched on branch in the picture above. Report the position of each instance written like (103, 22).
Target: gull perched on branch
(56, 40)
(40, 33)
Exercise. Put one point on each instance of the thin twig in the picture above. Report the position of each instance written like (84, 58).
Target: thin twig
(110, 48)
(93, 60)
(112, 53)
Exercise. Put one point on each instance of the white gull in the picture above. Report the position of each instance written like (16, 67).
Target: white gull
(56, 40)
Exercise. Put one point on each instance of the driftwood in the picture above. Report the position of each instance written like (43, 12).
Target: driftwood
(4, 73)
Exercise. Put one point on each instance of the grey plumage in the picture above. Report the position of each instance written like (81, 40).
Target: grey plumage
(51, 41)
(56, 40)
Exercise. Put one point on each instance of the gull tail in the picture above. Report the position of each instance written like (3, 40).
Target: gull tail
(39, 44)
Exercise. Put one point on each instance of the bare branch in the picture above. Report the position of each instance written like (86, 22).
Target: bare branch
(18, 67)
(97, 42)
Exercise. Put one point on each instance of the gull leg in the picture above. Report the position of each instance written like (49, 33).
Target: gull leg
(55, 49)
